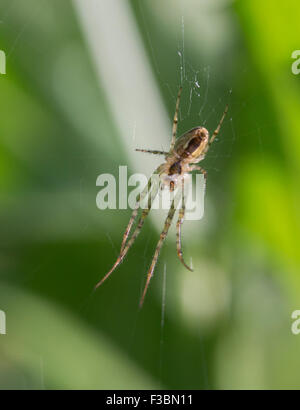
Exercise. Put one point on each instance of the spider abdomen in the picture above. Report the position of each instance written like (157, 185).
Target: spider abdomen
(191, 145)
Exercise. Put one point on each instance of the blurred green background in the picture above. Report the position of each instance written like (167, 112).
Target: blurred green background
(88, 81)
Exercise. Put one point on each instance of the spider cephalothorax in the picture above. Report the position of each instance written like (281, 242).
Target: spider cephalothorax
(188, 149)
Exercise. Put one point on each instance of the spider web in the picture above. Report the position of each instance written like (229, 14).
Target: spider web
(202, 103)
(196, 107)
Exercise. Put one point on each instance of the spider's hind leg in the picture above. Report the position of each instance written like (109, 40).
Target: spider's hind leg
(217, 130)
(175, 120)
(150, 151)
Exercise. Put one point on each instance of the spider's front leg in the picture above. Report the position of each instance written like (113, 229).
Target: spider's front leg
(178, 229)
(182, 213)
(140, 198)
(162, 237)
(126, 246)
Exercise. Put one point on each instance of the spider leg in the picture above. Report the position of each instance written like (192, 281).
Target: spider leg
(140, 198)
(125, 247)
(175, 120)
(152, 151)
(178, 230)
(162, 237)
(202, 170)
(198, 168)
(216, 132)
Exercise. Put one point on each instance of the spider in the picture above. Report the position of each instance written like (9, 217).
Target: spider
(184, 152)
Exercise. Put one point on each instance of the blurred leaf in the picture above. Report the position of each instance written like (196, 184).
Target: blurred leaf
(59, 350)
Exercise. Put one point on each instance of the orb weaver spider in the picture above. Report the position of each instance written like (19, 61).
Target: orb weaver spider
(187, 150)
